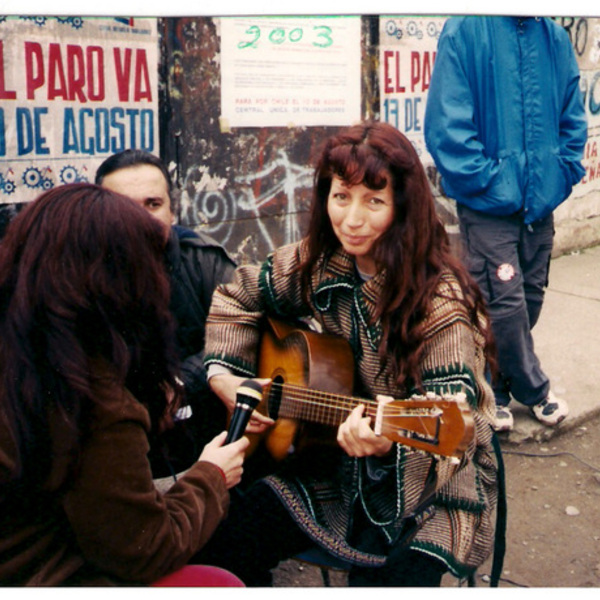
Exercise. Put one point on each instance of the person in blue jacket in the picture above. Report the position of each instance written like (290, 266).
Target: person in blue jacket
(506, 127)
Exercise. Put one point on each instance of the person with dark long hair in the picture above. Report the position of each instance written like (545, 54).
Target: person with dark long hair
(375, 269)
(88, 375)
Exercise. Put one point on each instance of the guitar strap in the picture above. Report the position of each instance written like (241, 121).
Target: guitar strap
(426, 510)
(500, 535)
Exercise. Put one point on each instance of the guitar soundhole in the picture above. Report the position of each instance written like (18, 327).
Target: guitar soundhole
(274, 402)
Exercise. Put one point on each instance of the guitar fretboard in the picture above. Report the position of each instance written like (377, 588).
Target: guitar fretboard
(304, 404)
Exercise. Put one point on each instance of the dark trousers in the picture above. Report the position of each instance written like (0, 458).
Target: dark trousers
(259, 533)
(510, 261)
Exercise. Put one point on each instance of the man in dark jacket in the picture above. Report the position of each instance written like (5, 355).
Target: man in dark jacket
(196, 264)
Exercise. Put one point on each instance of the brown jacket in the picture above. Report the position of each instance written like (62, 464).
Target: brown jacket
(107, 525)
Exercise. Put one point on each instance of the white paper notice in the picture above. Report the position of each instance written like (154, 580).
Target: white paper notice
(290, 71)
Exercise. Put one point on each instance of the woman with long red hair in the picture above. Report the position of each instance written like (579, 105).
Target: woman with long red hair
(375, 268)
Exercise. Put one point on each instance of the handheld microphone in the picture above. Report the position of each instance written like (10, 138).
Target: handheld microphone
(248, 395)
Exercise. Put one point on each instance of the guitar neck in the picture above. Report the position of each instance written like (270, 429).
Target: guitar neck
(313, 406)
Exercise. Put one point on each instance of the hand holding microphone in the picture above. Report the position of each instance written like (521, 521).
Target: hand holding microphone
(227, 450)
(248, 396)
(229, 459)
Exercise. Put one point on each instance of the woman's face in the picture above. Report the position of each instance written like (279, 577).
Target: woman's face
(359, 217)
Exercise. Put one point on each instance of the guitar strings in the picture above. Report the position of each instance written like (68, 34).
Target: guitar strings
(296, 403)
(309, 397)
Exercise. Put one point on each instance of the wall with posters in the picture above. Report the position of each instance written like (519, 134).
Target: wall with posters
(253, 107)
(72, 91)
(243, 105)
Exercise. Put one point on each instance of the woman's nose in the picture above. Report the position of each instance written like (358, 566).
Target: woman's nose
(354, 215)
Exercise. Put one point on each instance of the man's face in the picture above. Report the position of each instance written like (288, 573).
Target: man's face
(145, 185)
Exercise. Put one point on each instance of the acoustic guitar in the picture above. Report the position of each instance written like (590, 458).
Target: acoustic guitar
(312, 380)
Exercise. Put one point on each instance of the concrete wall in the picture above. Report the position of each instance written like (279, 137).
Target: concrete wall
(578, 219)
(407, 45)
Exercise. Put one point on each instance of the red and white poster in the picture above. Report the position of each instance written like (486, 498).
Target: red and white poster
(408, 46)
(73, 90)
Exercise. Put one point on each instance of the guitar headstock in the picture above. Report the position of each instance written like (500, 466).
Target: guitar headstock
(440, 425)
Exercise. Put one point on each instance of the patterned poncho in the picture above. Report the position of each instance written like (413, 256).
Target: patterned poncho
(356, 507)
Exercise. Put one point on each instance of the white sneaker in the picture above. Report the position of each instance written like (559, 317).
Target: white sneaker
(550, 411)
(503, 420)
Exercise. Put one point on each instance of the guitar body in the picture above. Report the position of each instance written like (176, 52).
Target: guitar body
(310, 394)
(291, 355)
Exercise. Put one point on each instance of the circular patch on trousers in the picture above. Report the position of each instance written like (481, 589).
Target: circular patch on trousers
(505, 272)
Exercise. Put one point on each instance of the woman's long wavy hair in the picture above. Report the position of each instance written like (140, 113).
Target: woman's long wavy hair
(81, 280)
(415, 251)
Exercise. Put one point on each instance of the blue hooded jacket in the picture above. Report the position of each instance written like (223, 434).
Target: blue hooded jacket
(505, 121)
